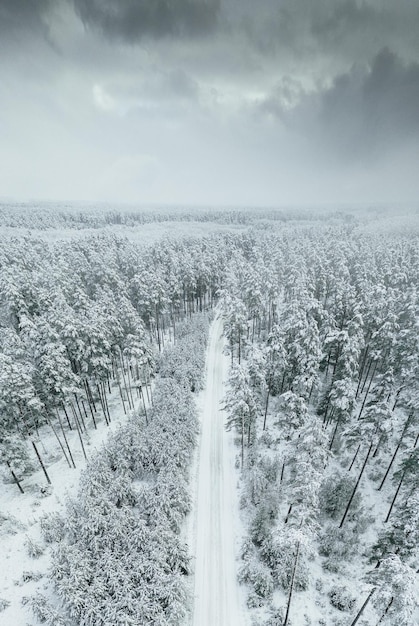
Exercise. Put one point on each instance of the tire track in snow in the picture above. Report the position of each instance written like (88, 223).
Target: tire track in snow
(217, 599)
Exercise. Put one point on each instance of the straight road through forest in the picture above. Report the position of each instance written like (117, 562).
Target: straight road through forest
(216, 594)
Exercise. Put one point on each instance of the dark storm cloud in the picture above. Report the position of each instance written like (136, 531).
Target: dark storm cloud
(365, 111)
(351, 29)
(21, 15)
(129, 20)
(374, 111)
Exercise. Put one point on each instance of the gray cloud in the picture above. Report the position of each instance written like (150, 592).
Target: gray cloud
(365, 112)
(374, 111)
(355, 29)
(130, 20)
(20, 19)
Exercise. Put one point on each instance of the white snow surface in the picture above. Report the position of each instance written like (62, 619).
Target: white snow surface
(218, 600)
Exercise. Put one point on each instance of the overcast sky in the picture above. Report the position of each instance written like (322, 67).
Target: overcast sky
(227, 102)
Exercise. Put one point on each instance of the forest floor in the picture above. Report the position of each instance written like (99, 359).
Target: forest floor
(215, 523)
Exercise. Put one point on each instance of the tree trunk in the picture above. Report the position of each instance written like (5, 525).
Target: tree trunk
(89, 402)
(282, 472)
(328, 363)
(356, 486)
(122, 397)
(15, 478)
(80, 437)
(366, 376)
(283, 382)
(362, 609)
(288, 514)
(129, 385)
(242, 442)
(377, 447)
(354, 459)
(395, 497)
(58, 439)
(361, 370)
(157, 328)
(386, 611)
(102, 404)
(73, 410)
(266, 408)
(105, 401)
(368, 390)
(89, 395)
(330, 418)
(145, 410)
(80, 413)
(406, 426)
(41, 463)
(66, 416)
(162, 331)
(292, 585)
(125, 381)
(396, 398)
(148, 382)
(85, 414)
(65, 437)
(334, 432)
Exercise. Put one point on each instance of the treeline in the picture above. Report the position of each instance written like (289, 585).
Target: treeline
(117, 553)
(45, 216)
(82, 320)
(323, 395)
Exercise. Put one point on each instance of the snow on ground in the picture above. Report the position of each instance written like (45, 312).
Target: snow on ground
(215, 525)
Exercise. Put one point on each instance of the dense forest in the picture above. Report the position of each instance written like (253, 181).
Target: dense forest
(321, 327)
(323, 336)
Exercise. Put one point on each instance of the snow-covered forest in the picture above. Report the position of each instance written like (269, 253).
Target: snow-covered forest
(103, 339)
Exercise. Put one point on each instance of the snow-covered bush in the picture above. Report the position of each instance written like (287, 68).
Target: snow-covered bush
(257, 484)
(29, 576)
(278, 552)
(14, 456)
(261, 523)
(267, 439)
(335, 493)
(401, 535)
(52, 527)
(276, 618)
(9, 525)
(167, 502)
(338, 543)
(258, 576)
(341, 599)
(33, 548)
(396, 598)
(43, 611)
(254, 600)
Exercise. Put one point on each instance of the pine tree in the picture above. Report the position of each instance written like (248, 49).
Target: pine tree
(240, 404)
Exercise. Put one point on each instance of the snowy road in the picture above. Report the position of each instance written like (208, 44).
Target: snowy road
(217, 599)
